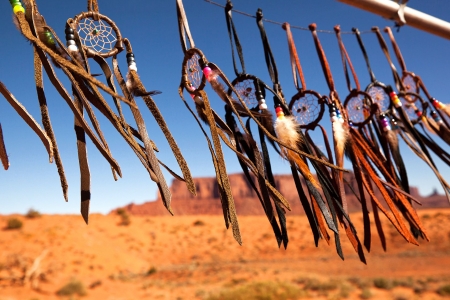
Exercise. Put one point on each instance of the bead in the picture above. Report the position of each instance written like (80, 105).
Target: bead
(207, 72)
(72, 48)
(130, 54)
(70, 37)
(395, 99)
(70, 42)
(280, 113)
(68, 30)
(418, 113)
(341, 120)
(130, 59)
(334, 119)
(132, 67)
(18, 8)
(262, 106)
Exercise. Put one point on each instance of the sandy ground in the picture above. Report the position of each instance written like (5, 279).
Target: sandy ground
(195, 257)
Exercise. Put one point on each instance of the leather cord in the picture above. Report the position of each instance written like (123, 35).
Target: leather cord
(270, 60)
(297, 71)
(364, 52)
(382, 42)
(234, 40)
(346, 61)
(183, 28)
(322, 58)
(3, 155)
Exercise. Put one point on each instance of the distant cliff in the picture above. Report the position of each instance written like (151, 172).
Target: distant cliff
(207, 201)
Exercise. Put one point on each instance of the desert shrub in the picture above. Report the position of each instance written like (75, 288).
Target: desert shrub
(444, 290)
(124, 217)
(71, 288)
(14, 223)
(322, 287)
(32, 214)
(382, 283)
(150, 271)
(401, 296)
(260, 290)
(366, 294)
(199, 223)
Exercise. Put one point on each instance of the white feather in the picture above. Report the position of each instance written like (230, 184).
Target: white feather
(287, 131)
(340, 134)
(129, 82)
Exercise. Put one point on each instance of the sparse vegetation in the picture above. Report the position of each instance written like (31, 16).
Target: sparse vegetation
(260, 290)
(383, 283)
(366, 294)
(73, 287)
(124, 217)
(14, 223)
(444, 290)
(32, 214)
(150, 271)
(199, 223)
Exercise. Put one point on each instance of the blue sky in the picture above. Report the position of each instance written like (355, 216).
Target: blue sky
(151, 26)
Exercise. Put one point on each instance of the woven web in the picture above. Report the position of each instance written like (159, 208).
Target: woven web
(411, 106)
(409, 83)
(306, 109)
(379, 97)
(246, 91)
(357, 109)
(194, 71)
(96, 35)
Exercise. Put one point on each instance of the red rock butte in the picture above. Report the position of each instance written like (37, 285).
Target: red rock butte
(207, 201)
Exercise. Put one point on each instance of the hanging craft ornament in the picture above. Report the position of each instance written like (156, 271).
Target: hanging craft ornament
(289, 132)
(375, 121)
(310, 98)
(412, 83)
(252, 90)
(92, 35)
(405, 102)
(364, 161)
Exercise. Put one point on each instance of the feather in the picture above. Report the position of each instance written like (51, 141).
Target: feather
(133, 87)
(286, 129)
(340, 134)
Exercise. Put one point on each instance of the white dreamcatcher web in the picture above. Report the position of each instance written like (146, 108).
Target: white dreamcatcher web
(96, 35)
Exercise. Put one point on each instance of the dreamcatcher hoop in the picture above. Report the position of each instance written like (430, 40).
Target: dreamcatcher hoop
(99, 35)
(193, 78)
(414, 105)
(307, 111)
(245, 86)
(359, 107)
(380, 97)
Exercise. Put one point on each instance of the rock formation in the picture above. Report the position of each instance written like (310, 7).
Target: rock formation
(207, 201)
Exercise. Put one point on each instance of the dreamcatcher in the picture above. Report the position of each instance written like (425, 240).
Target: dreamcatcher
(386, 159)
(289, 131)
(196, 71)
(363, 158)
(419, 143)
(412, 83)
(92, 35)
(379, 93)
(252, 91)
(309, 119)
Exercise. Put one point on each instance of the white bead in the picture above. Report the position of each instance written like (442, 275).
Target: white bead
(132, 66)
(341, 120)
(72, 48)
(263, 106)
(334, 119)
